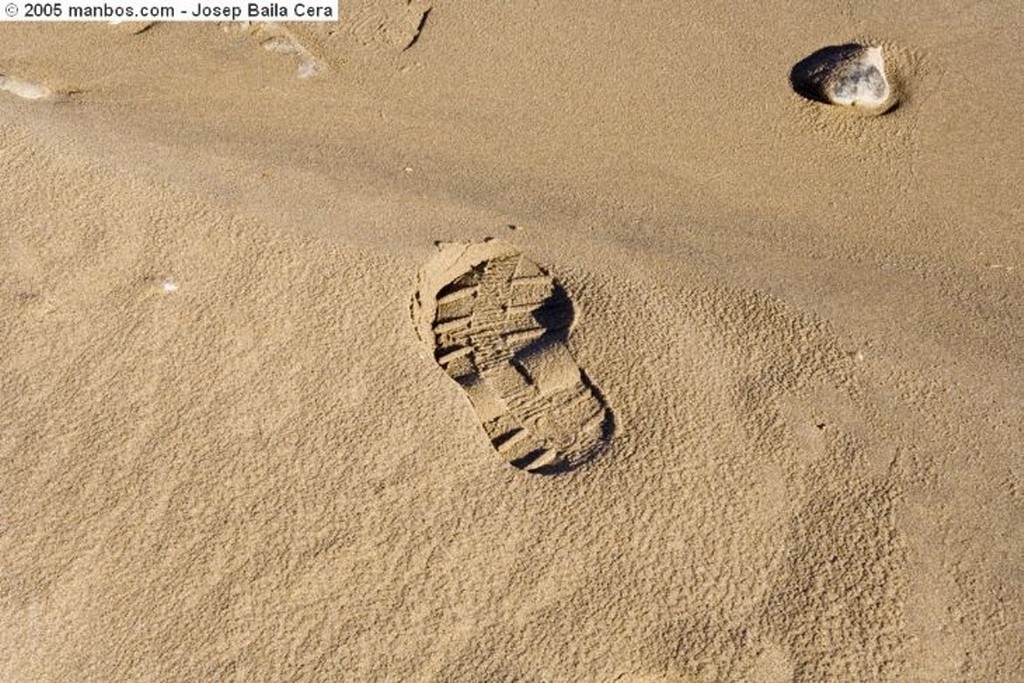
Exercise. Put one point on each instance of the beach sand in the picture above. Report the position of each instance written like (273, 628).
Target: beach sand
(793, 336)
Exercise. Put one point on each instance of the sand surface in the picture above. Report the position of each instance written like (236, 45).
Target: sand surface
(227, 449)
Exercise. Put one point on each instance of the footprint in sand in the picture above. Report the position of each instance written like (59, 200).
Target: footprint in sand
(498, 324)
(278, 39)
(373, 26)
(849, 75)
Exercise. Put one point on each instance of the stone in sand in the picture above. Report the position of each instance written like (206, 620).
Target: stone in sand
(848, 75)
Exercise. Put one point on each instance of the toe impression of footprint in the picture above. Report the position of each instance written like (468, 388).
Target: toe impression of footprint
(498, 324)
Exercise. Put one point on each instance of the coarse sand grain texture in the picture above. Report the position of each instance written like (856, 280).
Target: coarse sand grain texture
(514, 341)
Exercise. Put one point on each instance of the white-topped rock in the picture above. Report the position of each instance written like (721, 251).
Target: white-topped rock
(846, 75)
(860, 82)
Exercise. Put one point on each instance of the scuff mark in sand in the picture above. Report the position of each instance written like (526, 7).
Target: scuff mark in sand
(274, 37)
(24, 89)
(419, 29)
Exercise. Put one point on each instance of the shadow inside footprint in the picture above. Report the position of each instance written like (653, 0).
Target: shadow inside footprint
(556, 313)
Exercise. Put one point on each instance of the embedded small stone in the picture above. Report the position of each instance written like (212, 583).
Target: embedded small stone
(847, 75)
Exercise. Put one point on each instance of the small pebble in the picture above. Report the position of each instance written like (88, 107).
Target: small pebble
(846, 75)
